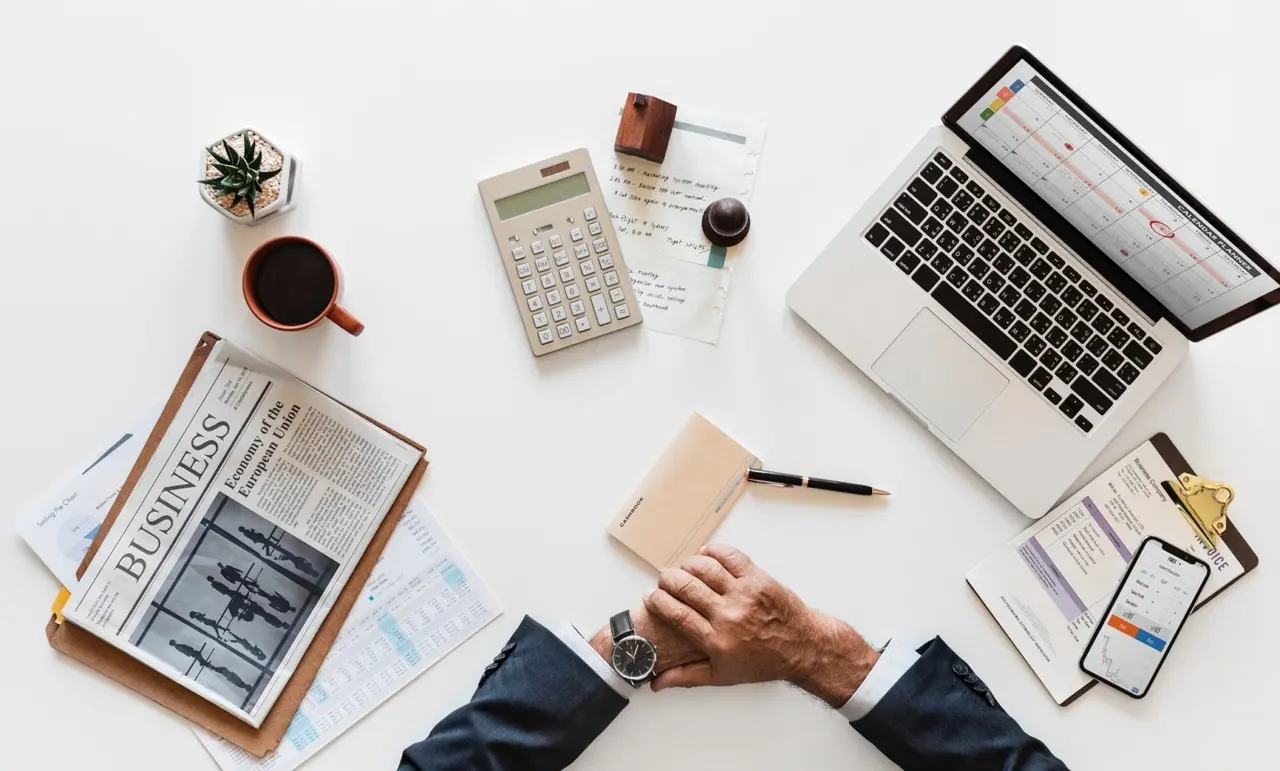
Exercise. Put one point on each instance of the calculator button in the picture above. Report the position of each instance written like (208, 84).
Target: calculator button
(537, 248)
(606, 261)
(581, 251)
(583, 323)
(576, 234)
(539, 319)
(561, 257)
(611, 278)
(594, 229)
(587, 268)
(543, 264)
(577, 308)
(615, 294)
(601, 309)
(558, 314)
(599, 245)
(564, 330)
(529, 286)
(571, 291)
(566, 275)
(621, 311)
(548, 281)
(555, 242)
(553, 297)
(589, 213)
(535, 303)
(593, 284)
(545, 336)
(523, 270)
(517, 253)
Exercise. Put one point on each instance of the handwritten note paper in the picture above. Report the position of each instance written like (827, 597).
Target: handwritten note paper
(670, 199)
(680, 278)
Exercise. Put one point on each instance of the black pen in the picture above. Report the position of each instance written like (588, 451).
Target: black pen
(779, 479)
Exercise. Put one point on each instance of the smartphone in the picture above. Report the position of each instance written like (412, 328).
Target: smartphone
(1144, 617)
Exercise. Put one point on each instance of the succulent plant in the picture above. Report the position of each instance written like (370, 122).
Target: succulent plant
(241, 173)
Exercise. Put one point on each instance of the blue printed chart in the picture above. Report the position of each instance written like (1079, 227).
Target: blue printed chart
(422, 601)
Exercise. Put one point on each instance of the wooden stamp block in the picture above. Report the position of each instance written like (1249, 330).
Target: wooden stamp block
(645, 128)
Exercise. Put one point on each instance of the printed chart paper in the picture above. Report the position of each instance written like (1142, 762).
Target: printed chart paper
(423, 600)
(62, 527)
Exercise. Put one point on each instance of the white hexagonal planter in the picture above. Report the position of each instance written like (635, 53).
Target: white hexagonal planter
(278, 194)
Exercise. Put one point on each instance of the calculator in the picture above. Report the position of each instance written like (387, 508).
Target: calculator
(560, 251)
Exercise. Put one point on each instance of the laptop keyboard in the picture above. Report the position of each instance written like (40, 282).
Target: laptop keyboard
(1024, 301)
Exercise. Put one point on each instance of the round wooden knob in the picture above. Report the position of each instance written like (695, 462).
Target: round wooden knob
(726, 222)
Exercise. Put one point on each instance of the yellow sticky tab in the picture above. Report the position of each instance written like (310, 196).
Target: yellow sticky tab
(59, 603)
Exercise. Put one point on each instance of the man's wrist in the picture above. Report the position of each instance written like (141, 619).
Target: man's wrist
(837, 662)
(672, 650)
(602, 643)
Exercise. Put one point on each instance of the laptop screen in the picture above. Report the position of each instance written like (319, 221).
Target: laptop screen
(1126, 209)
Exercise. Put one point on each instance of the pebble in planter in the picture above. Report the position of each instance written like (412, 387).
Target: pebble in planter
(247, 178)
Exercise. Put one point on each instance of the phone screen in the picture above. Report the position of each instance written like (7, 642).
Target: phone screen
(1154, 599)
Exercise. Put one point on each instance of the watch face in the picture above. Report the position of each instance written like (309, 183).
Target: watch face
(634, 658)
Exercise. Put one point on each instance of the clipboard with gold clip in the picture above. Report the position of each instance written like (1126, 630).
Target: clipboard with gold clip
(1203, 503)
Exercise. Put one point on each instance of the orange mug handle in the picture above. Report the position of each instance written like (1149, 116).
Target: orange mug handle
(339, 315)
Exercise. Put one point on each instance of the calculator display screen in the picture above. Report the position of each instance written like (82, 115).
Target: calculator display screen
(541, 197)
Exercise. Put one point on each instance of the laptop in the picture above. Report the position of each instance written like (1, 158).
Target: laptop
(1026, 279)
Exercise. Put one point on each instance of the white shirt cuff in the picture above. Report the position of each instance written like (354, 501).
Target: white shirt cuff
(571, 637)
(894, 662)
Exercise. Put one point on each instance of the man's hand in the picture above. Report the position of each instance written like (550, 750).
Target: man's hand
(674, 649)
(753, 629)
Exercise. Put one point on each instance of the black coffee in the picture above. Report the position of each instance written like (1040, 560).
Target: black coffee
(294, 283)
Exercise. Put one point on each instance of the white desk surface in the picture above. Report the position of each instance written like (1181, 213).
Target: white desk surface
(112, 268)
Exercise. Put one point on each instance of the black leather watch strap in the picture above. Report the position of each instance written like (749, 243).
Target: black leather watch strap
(620, 626)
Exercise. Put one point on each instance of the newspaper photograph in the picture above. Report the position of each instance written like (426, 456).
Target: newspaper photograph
(241, 532)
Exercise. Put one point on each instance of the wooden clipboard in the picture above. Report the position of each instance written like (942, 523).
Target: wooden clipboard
(1231, 536)
(97, 654)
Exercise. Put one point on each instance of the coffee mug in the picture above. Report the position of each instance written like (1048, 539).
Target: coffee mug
(292, 283)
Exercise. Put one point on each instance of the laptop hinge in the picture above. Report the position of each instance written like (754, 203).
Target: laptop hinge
(1012, 202)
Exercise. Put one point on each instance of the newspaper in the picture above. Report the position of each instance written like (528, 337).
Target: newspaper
(423, 600)
(241, 532)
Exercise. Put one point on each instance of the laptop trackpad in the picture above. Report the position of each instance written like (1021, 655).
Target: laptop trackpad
(940, 375)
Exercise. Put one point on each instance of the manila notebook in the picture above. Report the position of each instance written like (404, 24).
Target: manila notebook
(685, 495)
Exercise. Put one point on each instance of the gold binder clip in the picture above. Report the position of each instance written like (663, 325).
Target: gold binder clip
(1203, 503)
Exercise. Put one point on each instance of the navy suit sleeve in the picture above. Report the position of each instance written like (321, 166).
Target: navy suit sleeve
(941, 716)
(536, 710)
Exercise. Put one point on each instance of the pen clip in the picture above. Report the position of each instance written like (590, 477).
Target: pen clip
(768, 482)
(771, 483)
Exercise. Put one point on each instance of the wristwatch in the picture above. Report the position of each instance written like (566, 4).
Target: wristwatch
(634, 658)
